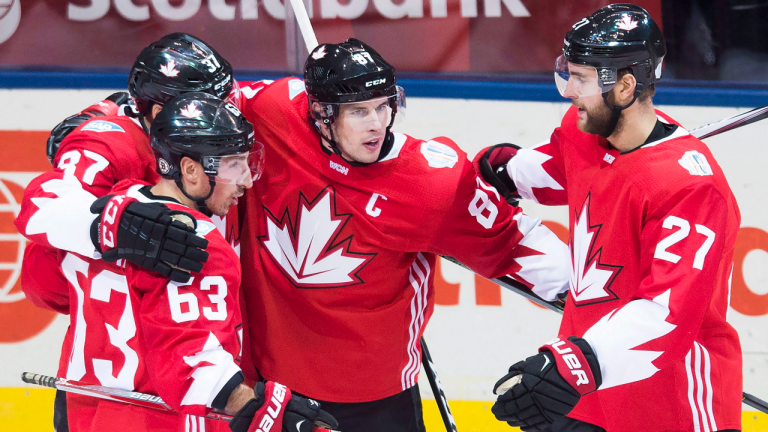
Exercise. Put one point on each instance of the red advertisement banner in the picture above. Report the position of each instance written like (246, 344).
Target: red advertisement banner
(482, 36)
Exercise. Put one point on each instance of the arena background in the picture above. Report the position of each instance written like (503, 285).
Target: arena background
(478, 71)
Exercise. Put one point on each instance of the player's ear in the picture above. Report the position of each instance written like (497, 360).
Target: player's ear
(156, 108)
(191, 173)
(626, 88)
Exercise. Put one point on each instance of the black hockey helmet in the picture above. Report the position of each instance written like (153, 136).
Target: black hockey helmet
(204, 128)
(618, 36)
(615, 37)
(350, 72)
(176, 64)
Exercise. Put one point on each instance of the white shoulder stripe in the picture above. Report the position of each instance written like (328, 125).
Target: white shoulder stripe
(396, 146)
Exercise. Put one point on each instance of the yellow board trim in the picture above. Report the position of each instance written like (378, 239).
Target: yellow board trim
(31, 410)
(472, 416)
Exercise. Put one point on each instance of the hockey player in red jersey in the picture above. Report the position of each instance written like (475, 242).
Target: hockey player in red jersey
(106, 149)
(644, 344)
(339, 252)
(177, 340)
(109, 144)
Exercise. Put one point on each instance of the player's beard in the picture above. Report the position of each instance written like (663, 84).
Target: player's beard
(597, 120)
(599, 117)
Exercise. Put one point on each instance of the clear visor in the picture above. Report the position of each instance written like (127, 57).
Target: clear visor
(575, 80)
(240, 169)
(370, 114)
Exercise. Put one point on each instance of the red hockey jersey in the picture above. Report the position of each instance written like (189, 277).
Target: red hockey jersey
(339, 260)
(134, 330)
(89, 162)
(652, 239)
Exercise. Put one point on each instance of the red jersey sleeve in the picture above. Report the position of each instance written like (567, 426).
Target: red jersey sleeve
(683, 249)
(55, 210)
(248, 92)
(192, 330)
(42, 281)
(539, 172)
(494, 239)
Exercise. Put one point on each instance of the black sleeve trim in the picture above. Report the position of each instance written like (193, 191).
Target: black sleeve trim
(221, 399)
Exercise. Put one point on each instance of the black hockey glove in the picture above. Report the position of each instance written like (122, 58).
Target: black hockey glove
(148, 234)
(549, 384)
(491, 164)
(294, 413)
(108, 106)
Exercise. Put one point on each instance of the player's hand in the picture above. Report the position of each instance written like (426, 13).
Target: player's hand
(108, 106)
(148, 234)
(274, 404)
(491, 164)
(550, 384)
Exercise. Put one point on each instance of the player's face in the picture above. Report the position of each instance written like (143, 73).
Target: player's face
(361, 128)
(234, 177)
(594, 114)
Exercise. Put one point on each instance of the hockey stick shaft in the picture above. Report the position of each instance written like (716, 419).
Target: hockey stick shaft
(302, 19)
(116, 395)
(437, 388)
(731, 123)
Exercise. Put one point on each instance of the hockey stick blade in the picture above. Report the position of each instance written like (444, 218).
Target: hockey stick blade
(731, 123)
(437, 389)
(117, 395)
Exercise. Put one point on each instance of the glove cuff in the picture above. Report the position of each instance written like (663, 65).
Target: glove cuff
(573, 365)
(110, 221)
(271, 407)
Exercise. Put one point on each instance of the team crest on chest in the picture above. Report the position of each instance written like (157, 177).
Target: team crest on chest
(590, 279)
(308, 252)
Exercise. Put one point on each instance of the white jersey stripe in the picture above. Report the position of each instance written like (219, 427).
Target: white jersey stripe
(411, 332)
(694, 410)
(420, 305)
(202, 424)
(418, 279)
(700, 389)
(422, 316)
(710, 389)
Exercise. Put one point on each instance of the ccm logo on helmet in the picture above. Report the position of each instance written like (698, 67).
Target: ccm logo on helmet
(276, 405)
(375, 82)
(571, 360)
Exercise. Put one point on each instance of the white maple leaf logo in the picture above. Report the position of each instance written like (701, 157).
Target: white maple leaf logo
(211, 363)
(191, 111)
(617, 336)
(306, 252)
(169, 69)
(627, 23)
(590, 279)
(55, 217)
(317, 55)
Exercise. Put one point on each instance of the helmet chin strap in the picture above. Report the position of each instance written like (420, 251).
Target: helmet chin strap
(615, 113)
(200, 201)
